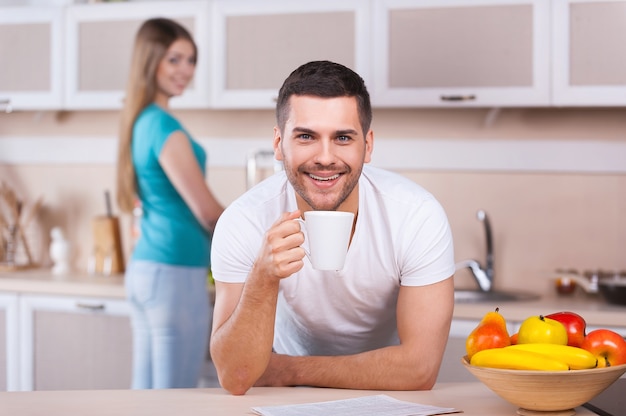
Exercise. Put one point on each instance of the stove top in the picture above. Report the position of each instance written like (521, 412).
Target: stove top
(611, 402)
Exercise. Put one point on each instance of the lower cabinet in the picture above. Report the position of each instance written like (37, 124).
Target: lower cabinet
(452, 369)
(70, 343)
(8, 342)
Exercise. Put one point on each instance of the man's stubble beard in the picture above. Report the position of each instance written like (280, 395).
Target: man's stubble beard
(302, 191)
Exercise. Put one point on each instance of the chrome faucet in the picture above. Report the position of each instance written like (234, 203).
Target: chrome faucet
(483, 275)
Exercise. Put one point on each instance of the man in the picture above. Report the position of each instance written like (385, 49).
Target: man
(380, 323)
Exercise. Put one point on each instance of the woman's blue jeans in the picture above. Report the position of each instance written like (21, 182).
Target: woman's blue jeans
(170, 321)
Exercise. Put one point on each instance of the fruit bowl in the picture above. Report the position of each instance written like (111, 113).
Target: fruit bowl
(546, 392)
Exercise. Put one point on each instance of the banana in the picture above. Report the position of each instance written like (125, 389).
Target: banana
(576, 358)
(516, 359)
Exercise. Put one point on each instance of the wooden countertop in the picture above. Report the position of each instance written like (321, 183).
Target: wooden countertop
(473, 398)
(41, 281)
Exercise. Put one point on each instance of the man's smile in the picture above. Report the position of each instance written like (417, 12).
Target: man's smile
(324, 179)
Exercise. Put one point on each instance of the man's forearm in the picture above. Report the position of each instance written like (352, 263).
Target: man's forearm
(423, 315)
(241, 347)
(390, 368)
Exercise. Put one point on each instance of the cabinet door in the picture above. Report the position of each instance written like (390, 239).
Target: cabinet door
(256, 45)
(452, 369)
(436, 53)
(100, 40)
(8, 342)
(31, 51)
(74, 343)
(589, 66)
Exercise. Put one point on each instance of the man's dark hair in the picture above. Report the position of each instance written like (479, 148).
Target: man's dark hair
(327, 80)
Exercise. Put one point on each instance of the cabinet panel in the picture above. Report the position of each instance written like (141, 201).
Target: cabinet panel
(100, 40)
(470, 53)
(30, 47)
(3, 350)
(81, 351)
(597, 33)
(74, 343)
(258, 44)
(247, 37)
(8, 342)
(589, 57)
(452, 369)
(99, 45)
(28, 54)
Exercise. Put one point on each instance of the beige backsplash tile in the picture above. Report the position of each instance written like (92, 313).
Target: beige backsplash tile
(539, 221)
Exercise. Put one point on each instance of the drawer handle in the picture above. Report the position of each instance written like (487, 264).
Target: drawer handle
(471, 97)
(91, 307)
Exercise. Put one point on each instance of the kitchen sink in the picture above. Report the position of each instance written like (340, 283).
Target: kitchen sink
(477, 296)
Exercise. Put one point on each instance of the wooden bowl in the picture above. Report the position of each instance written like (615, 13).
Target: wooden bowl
(546, 391)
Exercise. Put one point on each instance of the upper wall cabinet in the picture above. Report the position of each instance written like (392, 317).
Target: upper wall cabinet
(100, 38)
(31, 53)
(411, 53)
(440, 53)
(589, 66)
(257, 44)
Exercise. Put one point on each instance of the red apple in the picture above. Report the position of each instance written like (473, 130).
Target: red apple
(608, 346)
(574, 324)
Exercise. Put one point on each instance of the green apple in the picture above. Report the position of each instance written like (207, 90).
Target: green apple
(541, 330)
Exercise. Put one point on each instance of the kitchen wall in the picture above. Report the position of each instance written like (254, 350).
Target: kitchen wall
(541, 220)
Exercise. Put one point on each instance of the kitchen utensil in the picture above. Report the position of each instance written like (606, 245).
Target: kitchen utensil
(107, 253)
(588, 284)
(12, 229)
(259, 165)
(613, 288)
(107, 257)
(553, 392)
(28, 219)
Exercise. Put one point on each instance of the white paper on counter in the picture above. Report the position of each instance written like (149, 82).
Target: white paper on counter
(363, 406)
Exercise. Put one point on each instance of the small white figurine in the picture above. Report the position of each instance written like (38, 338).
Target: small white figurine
(59, 252)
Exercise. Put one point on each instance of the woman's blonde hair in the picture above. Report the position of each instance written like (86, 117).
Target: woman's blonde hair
(153, 39)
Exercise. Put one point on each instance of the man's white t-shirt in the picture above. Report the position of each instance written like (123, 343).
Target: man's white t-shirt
(402, 237)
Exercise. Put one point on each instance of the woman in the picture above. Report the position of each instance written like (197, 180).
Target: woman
(161, 164)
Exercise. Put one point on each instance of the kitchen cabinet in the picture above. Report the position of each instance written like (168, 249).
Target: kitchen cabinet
(451, 368)
(411, 53)
(70, 342)
(8, 342)
(256, 45)
(31, 47)
(589, 60)
(99, 41)
(450, 53)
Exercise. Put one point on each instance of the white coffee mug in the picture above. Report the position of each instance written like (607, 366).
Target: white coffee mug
(328, 236)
